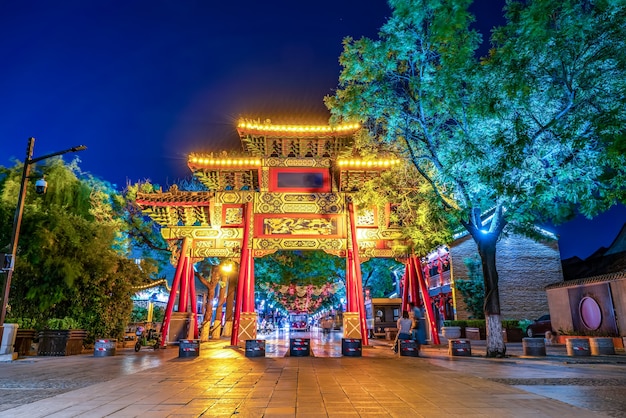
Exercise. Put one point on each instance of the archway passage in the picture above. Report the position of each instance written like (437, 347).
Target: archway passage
(306, 282)
(291, 190)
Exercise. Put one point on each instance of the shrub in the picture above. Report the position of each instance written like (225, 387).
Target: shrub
(454, 323)
(63, 323)
(477, 323)
(511, 324)
(23, 323)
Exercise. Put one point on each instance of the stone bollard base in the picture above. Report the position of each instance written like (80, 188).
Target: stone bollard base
(189, 348)
(534, 346)
(461, 348)
(105, 348)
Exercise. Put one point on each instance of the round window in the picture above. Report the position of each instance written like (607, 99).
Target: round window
(590, 313)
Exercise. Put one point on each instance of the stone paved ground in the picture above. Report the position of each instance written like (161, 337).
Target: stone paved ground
(223, 382)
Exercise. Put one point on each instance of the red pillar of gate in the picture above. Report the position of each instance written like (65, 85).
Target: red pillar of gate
(351, 305)
(430, 316)
(360, 300)
(165, 327)
(183, 299)
(248, 301)
(414, 288)
(243, 274)
(194, 301)
(405, 286)
(234, 336)
(358, 281)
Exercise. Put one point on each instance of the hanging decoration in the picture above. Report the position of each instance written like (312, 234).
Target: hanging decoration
(301, 298)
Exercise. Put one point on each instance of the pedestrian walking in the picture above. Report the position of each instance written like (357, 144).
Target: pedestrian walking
(327, 325)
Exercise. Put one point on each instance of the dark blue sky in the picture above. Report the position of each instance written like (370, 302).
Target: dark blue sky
(144, 83)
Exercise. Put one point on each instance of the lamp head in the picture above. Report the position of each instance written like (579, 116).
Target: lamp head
(41, 186)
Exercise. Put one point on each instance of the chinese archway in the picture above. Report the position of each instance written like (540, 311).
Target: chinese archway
(290, 191)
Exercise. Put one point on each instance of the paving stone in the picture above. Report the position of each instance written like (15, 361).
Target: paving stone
(223, 382)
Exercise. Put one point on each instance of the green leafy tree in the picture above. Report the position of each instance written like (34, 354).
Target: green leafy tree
(141, 232)
(532, 133)
(473, 288)
(378, 275)
(74, 259)
(300, 268)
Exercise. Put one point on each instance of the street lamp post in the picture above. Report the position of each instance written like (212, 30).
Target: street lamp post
(17, 221)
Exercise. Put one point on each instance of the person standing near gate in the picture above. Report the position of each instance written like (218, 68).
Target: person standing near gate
(404, 329)
(327, 325)
(416, 316)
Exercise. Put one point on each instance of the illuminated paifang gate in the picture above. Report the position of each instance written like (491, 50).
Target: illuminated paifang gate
(292, 191)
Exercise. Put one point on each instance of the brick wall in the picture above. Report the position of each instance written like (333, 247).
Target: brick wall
(525, 268)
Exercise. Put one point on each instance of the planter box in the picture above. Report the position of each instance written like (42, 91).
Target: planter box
(512, 335)
(618, 342)
(601, 346)
(578, 347)
(23, 341)
(475, 333)
(61, 342)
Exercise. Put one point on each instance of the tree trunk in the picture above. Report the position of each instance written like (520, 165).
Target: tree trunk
(208, 306)
(230, 302)
(486, 243)
(216, 328)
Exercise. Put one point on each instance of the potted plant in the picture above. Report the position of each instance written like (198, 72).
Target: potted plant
(62, 337)
(24, 336)
(453, 329)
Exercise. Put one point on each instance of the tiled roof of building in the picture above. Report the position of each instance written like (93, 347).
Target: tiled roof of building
(602, 262)
(620, 275)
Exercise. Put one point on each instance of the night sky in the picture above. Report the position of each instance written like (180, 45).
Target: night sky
(144, 83)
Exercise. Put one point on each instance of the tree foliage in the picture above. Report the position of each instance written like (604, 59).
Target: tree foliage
(531, 133)
(380, 275)
(300, 268)
(472, 288)
(74, 256)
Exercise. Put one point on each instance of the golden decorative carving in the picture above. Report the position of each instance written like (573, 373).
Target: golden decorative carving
(229, 197)
(262, 253)
(198, 232)
(234, 216)
(366, 217)
(236, 245)
(299, 208)
(265, 244)
(214, 252)
(204, 243)
(322, 203)
(299, 226)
